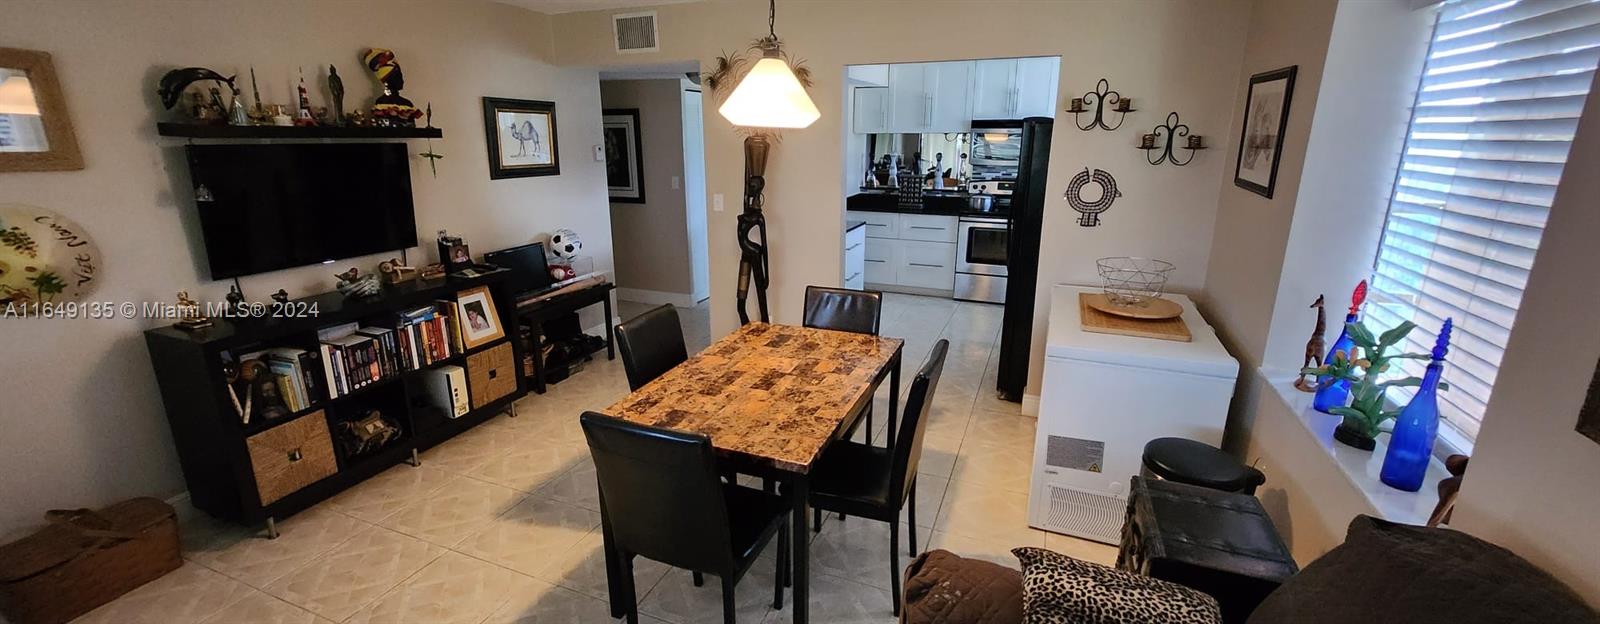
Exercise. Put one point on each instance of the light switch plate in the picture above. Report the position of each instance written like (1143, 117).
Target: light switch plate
(677, 183)
(716, 202)
(599, 153)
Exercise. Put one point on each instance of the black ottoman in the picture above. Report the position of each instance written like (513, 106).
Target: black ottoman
(1220, 543)
(1197, 463)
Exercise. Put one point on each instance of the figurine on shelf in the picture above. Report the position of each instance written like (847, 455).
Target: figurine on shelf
(304, 116)
(219, 109)
(1314, 349)
(336, 91)
(281, 297)
(432, 156)
(390, 109)
(353, 284)
(393, 272)
(358, 119)
(189, 316)
(431, 272)
(175, 82)
(259, 115)
(236, 304)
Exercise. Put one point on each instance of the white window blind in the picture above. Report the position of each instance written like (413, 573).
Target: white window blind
(1500, 97)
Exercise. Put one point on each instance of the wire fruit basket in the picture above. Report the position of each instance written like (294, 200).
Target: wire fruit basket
(1133, 282)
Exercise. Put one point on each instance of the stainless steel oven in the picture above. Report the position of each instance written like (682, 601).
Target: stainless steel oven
(981, 259)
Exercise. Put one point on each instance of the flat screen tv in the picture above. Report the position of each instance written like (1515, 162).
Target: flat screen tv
(269, 207)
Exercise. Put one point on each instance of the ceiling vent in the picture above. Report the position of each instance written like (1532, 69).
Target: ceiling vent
(635, 32)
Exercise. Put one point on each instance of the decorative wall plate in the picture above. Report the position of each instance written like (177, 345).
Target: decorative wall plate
(44, 257)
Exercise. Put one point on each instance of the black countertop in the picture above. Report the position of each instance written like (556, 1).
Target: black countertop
(851, 224)
(938, 203)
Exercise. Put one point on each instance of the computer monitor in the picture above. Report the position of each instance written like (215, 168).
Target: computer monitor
(528, 262)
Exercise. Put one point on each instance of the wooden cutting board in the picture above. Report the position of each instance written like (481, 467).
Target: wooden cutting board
(1099, 322)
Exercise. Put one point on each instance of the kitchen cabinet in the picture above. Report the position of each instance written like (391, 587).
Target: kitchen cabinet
(930, 97)
(931, 228)
(871, 110)
(855, 256)
(1015, 88)
(881, 257)
(907, 252)
(879, 224)
(925, 264)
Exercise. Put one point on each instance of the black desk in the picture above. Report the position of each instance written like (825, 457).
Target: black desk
(535, 313)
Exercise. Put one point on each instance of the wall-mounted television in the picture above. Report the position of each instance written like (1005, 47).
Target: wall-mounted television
(275, 206)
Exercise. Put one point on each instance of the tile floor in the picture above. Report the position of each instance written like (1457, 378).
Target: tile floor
(501, 524)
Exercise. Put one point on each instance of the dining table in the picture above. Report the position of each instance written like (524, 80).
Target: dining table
(771, 398)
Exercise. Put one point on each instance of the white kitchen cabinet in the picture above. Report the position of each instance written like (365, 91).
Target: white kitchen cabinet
(855, 256)
(1015, 88)
(932, 228)
(930, 97)
(879, 224)
(871, 110)
(926, 264)
(881, 257)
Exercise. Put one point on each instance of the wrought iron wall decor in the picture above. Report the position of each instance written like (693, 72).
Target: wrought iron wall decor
(1160, 144)
(1100, 97)
(1091, 209)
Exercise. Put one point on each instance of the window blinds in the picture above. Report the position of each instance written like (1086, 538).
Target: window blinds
(1500, 97)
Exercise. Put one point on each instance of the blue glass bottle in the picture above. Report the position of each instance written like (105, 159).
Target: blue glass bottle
(1333, 392)
(1411, 444)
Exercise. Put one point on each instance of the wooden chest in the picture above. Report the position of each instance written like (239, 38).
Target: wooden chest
(291, 456)
(491, 374)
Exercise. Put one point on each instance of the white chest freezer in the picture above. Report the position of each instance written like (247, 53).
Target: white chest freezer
(1104, 397)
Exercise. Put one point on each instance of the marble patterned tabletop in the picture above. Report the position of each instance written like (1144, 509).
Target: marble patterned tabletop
(774, 394)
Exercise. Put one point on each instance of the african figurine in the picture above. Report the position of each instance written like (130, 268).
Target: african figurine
(1314, 349)
(390, 109)
(336, 91)
(753, 256)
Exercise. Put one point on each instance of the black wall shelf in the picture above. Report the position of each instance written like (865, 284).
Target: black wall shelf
(199, 131)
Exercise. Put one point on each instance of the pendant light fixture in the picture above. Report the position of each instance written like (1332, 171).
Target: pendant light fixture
(770, 96)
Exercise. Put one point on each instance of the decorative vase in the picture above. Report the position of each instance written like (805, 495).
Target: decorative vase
(1411, 445)
(1333, 392)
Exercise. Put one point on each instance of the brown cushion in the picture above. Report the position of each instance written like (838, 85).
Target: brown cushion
(943, 588)
(1387, 572)
(1057, 589)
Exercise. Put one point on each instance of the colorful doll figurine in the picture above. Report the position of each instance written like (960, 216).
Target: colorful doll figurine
(390, 109)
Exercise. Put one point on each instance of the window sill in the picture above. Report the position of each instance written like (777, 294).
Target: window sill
(1360, 468)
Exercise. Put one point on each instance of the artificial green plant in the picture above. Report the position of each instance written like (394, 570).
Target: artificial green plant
(1364, 368)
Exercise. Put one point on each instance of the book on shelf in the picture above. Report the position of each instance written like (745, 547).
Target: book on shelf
(447, 388)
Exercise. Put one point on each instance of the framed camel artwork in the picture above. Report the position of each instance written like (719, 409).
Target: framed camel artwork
(521, 138)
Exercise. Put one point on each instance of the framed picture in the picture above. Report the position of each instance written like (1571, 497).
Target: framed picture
(475, 313)
(624, 160)
(1589, 415)
(35, 133)
(1266, 114)
(521, 135)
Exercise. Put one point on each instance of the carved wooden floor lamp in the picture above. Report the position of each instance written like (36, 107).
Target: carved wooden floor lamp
(769, 96)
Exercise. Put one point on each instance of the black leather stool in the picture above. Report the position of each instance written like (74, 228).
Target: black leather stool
(1197, 463)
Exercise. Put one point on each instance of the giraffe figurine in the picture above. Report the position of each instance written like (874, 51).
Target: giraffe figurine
(1314, 349)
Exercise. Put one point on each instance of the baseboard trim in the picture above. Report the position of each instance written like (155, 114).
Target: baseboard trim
(656, 297)
(1030, 405)
(183, 507)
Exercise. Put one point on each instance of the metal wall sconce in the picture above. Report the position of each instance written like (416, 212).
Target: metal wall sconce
(1159, 144)
(1100, 97)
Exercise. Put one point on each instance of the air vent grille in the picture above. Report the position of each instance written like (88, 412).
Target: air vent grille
(1085, 514)
(635, 32)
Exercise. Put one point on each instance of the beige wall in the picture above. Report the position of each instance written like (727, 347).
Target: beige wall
(81, 423)
(1531, 484)
(651, 239)
(1169, 56)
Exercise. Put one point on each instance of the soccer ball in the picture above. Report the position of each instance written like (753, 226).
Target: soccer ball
(565, 243)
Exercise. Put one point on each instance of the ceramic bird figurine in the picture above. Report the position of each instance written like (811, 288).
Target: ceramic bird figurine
(336, 90)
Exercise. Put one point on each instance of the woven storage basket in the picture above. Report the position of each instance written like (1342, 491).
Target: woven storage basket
(85, 559)
(291, 456)
(490, 375)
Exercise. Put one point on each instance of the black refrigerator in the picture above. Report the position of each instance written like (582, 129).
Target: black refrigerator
(1022, 257)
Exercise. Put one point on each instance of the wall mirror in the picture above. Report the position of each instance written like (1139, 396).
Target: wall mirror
(35, 133)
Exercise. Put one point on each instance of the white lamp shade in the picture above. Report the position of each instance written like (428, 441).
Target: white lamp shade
(16, 97)
(770, 97)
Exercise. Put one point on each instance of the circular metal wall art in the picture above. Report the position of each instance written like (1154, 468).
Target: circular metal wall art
(44, 257)
(1091, 209)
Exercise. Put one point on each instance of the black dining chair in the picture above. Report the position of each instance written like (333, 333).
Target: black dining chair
(660, 498)
(875, 483)
(843, 309)
(651, 344)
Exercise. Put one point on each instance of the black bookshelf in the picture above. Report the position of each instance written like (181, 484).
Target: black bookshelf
(214, 445)
(201, 131)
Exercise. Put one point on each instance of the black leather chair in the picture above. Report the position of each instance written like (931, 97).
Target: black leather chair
(875, 483)
(651, 344)
(660, 498)
(843, 309)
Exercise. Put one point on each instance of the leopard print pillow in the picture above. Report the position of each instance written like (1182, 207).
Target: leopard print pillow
(1057, 589)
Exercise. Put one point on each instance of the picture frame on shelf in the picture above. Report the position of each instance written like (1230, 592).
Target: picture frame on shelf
(478, 318)
(624, 158)
(1266, 117)
(35, 131)
(521, 138)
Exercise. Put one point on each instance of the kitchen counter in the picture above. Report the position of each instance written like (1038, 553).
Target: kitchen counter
(851, 224)
(942, 203)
